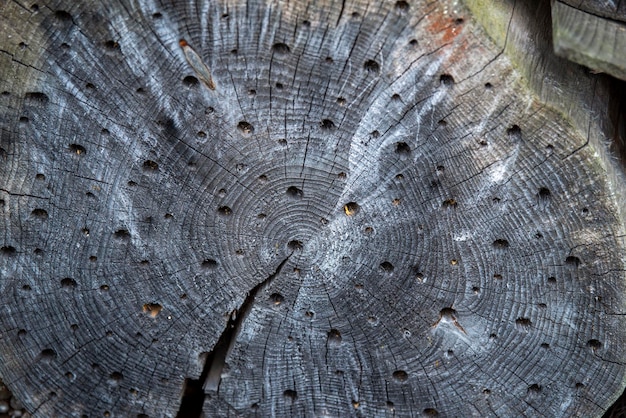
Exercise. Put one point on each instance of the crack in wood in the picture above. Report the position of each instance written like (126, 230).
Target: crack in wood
(195, 390)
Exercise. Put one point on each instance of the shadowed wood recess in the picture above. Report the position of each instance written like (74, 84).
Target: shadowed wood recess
(272, 208)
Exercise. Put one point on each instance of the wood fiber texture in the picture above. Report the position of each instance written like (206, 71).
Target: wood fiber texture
(596, 42)
(361, 208)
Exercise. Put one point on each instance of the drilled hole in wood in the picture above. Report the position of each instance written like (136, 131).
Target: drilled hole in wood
(122, 234)
(294, 192)
(334, 337)
(402, 6)
(209, 263)
(386, 267)
(8, 250)
(514, 131)
(152, 309)
(543, 193)
(572, 260)
(327, 124)
(500, 243)
(190, 81)
(61, 15)
(446, 80)
(400, 376)
(371, 66)
(47, 355)
(224, 211)
(245, 128)
(403, 148)
(523, 324)
(534, 388)
(351, 208)
(280, 48)
(68, 283)
(150, 165)
(116, 377)
(430, 412)
(111, 45)
(39, 213)
(77, 149)
(295, 245)
(290, 394)
(276, 298)
(594, 344)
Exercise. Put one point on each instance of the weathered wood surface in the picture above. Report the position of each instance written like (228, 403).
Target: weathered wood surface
(374, 213)
(611, 9)
(596, 42)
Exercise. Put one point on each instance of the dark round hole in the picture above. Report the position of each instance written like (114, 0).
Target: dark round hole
(446, 80)
(294, 192)
(295, 245)
(245, 128)
(403, 148)
(351, 208)
(400, 376)
(371, 66)
(224, 211)
(280, 48)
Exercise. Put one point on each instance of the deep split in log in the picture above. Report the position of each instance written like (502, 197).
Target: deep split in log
(272, 208)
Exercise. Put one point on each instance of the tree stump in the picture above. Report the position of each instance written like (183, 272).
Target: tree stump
(268, 208)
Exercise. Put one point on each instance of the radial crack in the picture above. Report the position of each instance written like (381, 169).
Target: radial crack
(209, 380)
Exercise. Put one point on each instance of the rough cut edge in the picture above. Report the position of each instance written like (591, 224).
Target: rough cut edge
(556, 82)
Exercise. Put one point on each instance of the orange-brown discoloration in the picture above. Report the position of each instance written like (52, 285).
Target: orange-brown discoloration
(441, 23)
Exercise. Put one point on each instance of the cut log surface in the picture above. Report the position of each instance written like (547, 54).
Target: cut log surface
(286, 209)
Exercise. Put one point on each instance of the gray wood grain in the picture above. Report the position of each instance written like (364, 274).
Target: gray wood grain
(596, 42)
(610, 9)
(401, 224)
